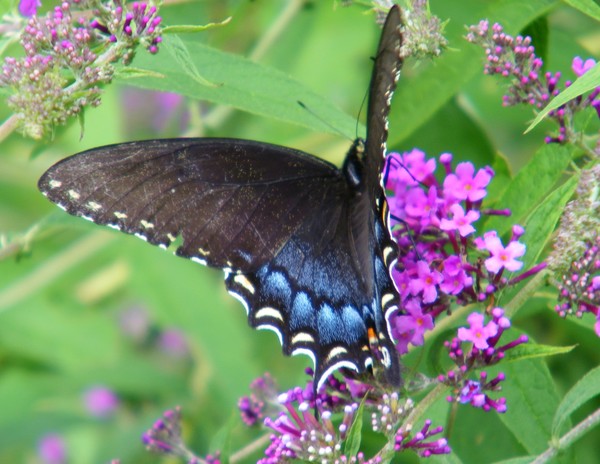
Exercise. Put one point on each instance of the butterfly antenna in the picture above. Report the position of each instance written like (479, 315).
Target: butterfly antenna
(332, 127)
(360, 110)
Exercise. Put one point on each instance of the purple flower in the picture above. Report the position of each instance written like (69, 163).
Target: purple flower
(29, 8)
(502, 257)
(460, 221)
(477, 333)
(52, 449)
(100, 402)
(426, 282)
(415, 322)
(465, 184)
(173, 343)
(453, 284)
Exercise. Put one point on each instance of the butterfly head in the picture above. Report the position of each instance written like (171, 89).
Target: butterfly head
(354, 164)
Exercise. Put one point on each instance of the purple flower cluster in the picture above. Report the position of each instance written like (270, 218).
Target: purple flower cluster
(484, 352)
(418, 441)
(440, 260)
(514, 58)
(67, 60)
(165, 438)
(302, 433)
(579, 291)
(253, 408)
(117, 25)
(575, 259)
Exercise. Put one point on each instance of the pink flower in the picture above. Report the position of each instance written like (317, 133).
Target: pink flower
(29, 8)
(101, 401)
(580, 67)
(460, 221)
(463, 185)
(501, 257)
(52, 449)
(477, 333)
(411, 167)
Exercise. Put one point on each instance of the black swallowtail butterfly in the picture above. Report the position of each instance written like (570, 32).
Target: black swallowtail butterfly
(305, 246)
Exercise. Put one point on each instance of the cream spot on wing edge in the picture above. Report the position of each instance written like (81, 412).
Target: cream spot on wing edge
(336, 351)
(302, 337)
(93, 205)
(268, 312)
(244, 282)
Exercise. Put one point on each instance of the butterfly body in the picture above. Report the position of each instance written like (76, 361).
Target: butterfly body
(305, 246)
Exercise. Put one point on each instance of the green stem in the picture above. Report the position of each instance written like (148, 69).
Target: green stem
(419, 410)
(8, 126)
(569, 438)
(256, 445)
(51, 269)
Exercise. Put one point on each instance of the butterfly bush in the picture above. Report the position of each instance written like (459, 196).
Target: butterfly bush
(514, 58)
(69, 54)
(575, 260)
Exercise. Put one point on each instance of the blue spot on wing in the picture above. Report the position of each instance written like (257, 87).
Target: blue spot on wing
(354, 324)
(277, 287)
(303, 312)
(330, 325)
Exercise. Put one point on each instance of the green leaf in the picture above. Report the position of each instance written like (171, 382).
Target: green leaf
(187, 29)
(204, 73)
(588, 7)
(221, 441)
(530, 186)
(533, 350)
(451, 458)
(531, 399)
(589, 81)
(542, 221)
(180, 52)
(584, 390)
(353, 439)
(130, 72)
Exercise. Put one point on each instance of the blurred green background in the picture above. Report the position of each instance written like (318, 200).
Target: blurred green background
(69, 289)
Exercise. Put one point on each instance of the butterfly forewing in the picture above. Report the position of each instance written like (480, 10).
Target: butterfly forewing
(235, 203)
